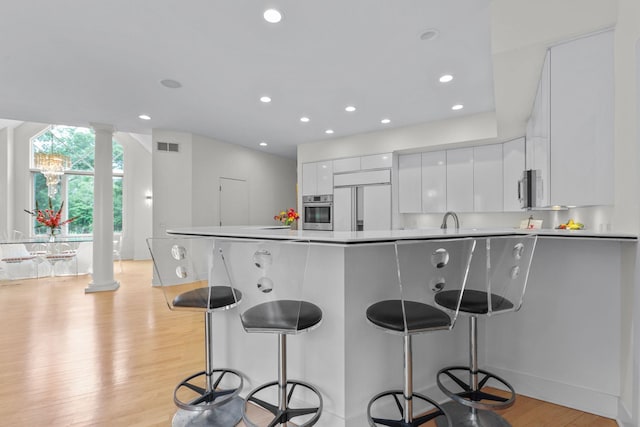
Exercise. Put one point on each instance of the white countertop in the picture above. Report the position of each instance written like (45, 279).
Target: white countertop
(354, 237)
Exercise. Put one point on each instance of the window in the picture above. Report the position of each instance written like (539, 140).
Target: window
(76, 185)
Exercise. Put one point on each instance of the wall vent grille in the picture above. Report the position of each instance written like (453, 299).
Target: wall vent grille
(170, 147)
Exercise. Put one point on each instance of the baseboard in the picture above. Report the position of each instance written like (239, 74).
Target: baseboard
(624, 418)
(580, 398)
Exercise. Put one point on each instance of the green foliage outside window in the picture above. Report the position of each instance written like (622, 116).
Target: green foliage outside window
(77, 183)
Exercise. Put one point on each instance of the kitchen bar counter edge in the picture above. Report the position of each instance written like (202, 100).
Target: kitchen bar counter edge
(360, 237)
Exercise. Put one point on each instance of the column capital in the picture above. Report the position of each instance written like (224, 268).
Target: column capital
(102, 127)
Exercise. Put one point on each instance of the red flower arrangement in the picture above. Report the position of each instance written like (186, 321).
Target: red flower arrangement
(50, 218)
(288, 217)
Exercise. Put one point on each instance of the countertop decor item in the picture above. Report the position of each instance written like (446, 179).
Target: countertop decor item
(289, 217)
(50, 218)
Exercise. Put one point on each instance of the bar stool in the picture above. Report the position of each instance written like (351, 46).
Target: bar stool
(425, 268)
(271, 277)
(494, 287)
(184, 267)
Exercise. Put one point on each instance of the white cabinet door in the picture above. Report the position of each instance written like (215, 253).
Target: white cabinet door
(377, 207)
(434, 181)
(582, 103)
(409, 183)
(377, 161)
(324, 171)
(342, 209)
(309, 180)
(460, 180)
(538, 149)
(512, 168)
(350, 164)
(382, 176)
(487, 178)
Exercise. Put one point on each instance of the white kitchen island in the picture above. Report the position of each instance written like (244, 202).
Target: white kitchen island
(570, 343)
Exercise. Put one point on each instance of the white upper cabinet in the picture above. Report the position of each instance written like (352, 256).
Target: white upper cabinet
(309, 179)
(377, 161)
(569, 135)
(476, 179)
(582, 103)
(317, 178)
(538, 152)
(512, 168)
(460, 180)
(350, 164)
(434, 181)
(487, 178)
(410, 183)
(325, 177)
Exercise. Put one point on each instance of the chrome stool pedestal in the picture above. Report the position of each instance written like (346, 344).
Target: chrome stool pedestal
(404, 401)
(282, 409)
(470, 407)
(498, 287)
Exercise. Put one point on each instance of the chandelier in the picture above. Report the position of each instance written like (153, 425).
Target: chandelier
(52, 166)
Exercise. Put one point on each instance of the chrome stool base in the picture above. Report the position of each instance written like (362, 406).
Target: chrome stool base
(229, 414)
(203, 398)
(283, 416)
(438, 413)
(463, 416)
(477, 399)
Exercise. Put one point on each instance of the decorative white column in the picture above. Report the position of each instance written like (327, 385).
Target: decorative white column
(103, 212)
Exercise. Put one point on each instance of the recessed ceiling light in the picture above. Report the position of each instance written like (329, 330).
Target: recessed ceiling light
(170, 83)
(328, 131)
(265, 99)
(272, 16)
(350, 108)
(263, 144)
(144, 117)
(385, 121)
(446, 78)
(429, 34)
(304, 119)
(457, 107)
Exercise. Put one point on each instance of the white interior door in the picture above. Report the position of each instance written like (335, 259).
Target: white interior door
(234, 202)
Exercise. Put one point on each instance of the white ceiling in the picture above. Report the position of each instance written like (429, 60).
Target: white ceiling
(77, 62)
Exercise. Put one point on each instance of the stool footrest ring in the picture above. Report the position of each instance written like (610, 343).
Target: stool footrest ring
(398, 397)
(289, 413)
(477, 399)
(201, 399)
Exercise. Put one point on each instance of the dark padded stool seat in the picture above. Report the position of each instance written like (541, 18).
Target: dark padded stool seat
(472, 301)
(282, 316)
(208, 298)
(389, 315)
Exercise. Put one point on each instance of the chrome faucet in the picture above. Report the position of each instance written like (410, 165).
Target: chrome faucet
(455, 220)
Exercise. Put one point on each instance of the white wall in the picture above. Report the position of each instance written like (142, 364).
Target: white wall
(185, 185)
(6, 180)
(171, 177)
(22, 191)
(137, 220)
(463, 129)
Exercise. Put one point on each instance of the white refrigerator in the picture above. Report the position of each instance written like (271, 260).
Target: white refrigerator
(362, 208)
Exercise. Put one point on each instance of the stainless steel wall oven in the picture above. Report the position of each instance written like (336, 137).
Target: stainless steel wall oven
(317, 212)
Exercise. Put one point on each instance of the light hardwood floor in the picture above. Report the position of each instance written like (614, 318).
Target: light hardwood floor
(112, 359)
